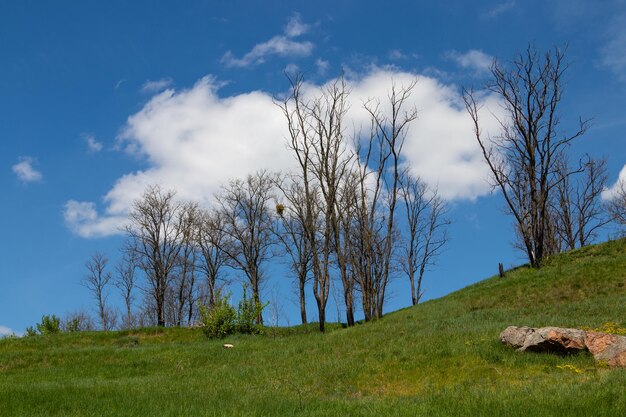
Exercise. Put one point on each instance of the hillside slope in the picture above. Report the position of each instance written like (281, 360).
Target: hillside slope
(442, 358)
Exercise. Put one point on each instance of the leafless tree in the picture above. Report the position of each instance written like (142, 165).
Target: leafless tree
(316, 137)
(578, 209)
(186, 271)
(245, 207)
(617, 205)
(125, 281)
(97, 280)
(523, 158)
(154, 235)
(211, 240)
(379, 175)
(290, 233)
(426, 231)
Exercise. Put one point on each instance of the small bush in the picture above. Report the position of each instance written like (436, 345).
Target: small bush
(49, 325)
(219, 320)
(248, 313)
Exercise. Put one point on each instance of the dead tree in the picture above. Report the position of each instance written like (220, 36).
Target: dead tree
(378, 167)
(316, 137)
(247, 215)
(426, 231)
(97, 280)
(211, 241)
(154, 235)
(125, 281)
(290, 233)
(578, 209)
(185, 272)
(522, 159)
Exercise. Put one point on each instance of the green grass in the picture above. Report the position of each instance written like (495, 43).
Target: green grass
(442, 358)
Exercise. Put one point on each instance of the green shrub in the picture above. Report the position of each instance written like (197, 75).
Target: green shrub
(49, 325)
(248, 312)
(219, 320)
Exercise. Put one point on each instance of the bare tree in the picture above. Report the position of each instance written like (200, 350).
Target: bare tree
(154, 235)
(125, 281)
(316, 137)
(578, 209)
(211, 239)
(617, 205)
(426, 231)
(96, 281)
(290, 233)
(185, 273)
(523, 159)
(247, 224)
(379, 180)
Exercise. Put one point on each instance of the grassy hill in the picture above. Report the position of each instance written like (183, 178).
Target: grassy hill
(442, 358)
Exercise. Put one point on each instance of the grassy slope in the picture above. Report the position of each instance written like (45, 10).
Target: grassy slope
(442, 358)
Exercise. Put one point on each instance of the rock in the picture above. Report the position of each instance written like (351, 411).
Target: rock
(605, 347)
(608, 348)
(544, 339)
(515, 336)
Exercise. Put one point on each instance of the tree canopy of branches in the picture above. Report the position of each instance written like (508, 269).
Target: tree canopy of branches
(96, 280)
(155, 236)
(523, 158)
(247, 224)
(617, 204)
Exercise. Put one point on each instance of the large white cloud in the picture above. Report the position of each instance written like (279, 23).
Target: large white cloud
(194, 141)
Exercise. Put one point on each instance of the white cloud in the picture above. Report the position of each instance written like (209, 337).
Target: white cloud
(473, 59)
(613, 54)
(194, 141)
(396, 55)
(295, 27)
(499, 9)
(5, 331)
(282, 45)
(26, 171)
(155, 86)
(92, 144)
(322, 66)
(611, 193)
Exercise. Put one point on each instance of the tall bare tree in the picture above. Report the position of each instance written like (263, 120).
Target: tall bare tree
(379, 181)
(154, 234)
(211, 240)
(290, 233)
(247, 215)
(186, 271)
(125, 281)
(426, 231)
(523, 158)
(316, 137)
(97, 280)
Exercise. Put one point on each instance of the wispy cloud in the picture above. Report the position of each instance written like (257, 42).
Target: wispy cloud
(322, 66)
(396, 55)
(473, 59)
(26, 171)
(499, 9)
(155, 86)
(281, 45)
(92, 144)
(613, 54)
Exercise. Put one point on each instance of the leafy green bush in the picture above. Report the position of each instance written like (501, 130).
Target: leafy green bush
(248, 312)
(49, 325)
(219, 320)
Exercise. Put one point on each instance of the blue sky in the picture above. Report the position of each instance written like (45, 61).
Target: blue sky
(99, 98)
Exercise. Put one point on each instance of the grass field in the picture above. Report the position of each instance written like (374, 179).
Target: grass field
(441, 358)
